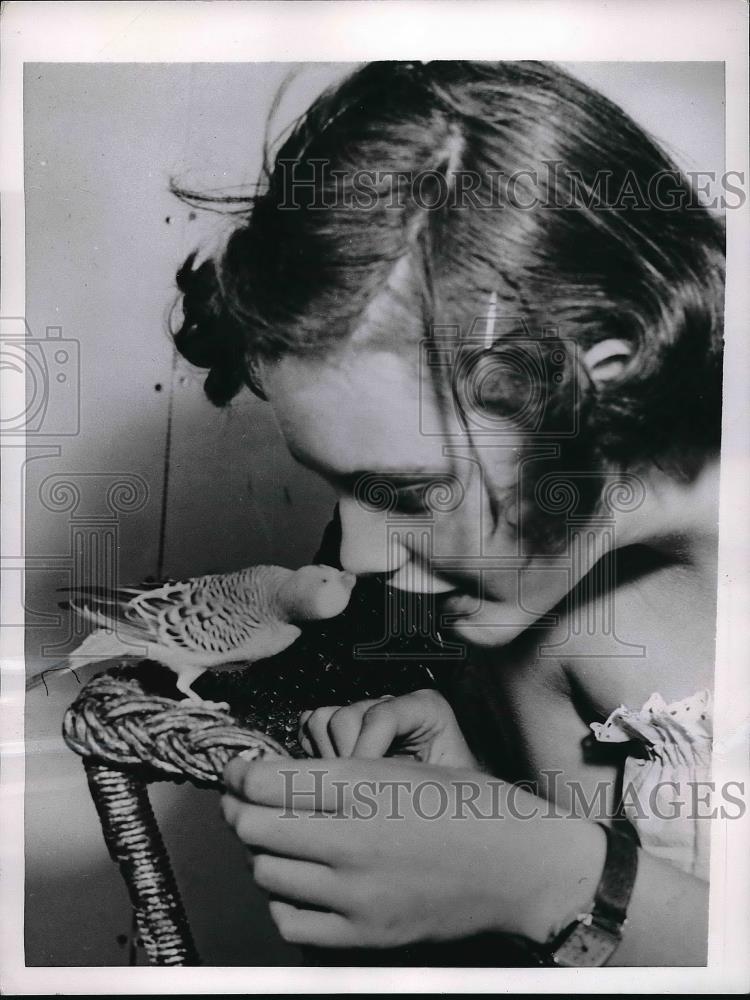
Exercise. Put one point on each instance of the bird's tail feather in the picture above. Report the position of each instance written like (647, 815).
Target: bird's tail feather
(92, 615)
(95, 648)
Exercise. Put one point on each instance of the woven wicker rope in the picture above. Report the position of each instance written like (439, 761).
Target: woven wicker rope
(128, 738)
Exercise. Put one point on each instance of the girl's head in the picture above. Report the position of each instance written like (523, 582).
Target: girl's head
(489, 256)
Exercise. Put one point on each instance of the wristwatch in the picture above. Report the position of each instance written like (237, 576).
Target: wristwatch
(592, 938)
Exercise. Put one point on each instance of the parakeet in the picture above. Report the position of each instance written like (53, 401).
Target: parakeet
(206, 621)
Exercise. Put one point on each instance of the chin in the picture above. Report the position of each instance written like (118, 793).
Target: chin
(485, 624)
(486, 637)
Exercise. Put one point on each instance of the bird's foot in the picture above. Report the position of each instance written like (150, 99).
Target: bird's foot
(184, 683)
(215, 706)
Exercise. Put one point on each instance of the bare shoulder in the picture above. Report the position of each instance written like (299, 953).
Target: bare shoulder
(652, 631)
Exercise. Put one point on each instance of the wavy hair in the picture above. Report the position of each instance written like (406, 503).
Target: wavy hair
(300, 280)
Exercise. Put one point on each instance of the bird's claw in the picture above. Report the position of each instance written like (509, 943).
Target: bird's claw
(216, 706)
(212, 706)
(184, 685)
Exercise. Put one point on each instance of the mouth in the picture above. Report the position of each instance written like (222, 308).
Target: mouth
(417, 579)
(459, 603)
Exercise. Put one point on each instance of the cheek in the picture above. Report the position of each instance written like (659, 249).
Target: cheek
(478, 541)
(468, 537)
(483, 523)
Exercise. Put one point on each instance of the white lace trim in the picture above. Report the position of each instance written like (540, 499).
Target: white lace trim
(664, 777)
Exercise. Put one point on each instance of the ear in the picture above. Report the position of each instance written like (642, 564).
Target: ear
(607, 359)
(254, 378)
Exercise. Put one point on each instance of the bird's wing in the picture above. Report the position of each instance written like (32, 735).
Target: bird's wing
(174, 614)
(205, 616)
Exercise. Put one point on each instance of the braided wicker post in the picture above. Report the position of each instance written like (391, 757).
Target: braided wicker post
(127, 738)
(134, 841)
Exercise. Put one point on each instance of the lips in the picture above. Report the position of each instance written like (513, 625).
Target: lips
(460, 603)
(417, 579)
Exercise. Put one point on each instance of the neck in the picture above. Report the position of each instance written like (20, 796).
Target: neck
(677, 517)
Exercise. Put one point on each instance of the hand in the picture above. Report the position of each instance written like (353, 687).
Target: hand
(349, 857)
(420, 725)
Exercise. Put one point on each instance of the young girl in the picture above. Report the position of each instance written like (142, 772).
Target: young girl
(484, 289)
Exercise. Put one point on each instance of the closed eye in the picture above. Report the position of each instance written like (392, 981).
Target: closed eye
(411, 493)
(413, 499)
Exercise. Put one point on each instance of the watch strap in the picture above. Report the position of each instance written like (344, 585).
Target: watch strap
(618, 878)
(594, 937)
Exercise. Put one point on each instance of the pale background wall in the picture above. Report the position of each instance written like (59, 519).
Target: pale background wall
(103, 240)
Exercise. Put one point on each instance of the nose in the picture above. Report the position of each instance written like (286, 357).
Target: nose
(365, 543)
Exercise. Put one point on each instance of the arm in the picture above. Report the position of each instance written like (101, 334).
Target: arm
(657, 931)
(372, 876)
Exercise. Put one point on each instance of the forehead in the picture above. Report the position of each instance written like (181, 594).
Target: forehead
(357, 410)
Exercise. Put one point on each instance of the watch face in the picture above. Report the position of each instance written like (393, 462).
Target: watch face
(586, 946)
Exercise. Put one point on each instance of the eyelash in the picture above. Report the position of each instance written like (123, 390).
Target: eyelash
(411, 500)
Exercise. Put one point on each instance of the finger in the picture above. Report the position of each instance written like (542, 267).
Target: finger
(294, 836)
(378, 731)
(409, 716)
(313, 927)
(345, 724)
(276, 782)
(302, 785)
(298, 881)
(304, 740)
(315, 729)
